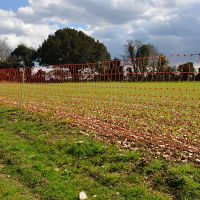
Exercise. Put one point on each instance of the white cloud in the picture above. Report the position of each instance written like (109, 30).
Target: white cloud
(14, 30)
(26, 11)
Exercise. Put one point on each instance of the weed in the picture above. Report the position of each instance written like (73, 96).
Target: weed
(85, 149)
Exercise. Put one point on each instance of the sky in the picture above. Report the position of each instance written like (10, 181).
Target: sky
(173, 26)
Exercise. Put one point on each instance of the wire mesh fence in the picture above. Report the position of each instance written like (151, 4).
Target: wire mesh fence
(151, 101)
(146, 69)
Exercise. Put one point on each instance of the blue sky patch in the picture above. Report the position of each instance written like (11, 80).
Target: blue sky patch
(78, 25)
(13, 4)
(74, 25)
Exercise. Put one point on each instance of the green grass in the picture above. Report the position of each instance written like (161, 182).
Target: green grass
(42, 158)
(12, 189)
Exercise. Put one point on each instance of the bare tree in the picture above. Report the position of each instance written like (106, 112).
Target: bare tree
(131, 48)
(5, 50)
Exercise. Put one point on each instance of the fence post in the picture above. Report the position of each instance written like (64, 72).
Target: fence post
(22, 89)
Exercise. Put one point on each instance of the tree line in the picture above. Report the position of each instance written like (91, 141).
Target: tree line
(69, 46)
(66, 46)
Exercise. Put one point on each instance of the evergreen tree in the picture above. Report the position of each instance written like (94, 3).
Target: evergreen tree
(69, 46)
(23, 55)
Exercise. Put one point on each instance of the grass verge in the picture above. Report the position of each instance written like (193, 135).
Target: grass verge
(44, 159)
